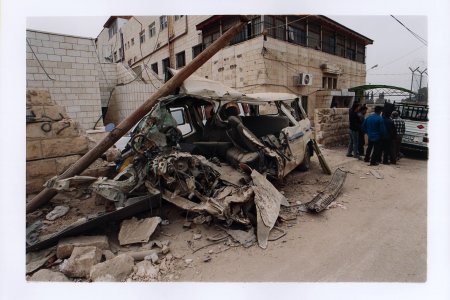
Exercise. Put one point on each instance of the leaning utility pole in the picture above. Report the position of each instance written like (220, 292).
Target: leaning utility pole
(46, 194)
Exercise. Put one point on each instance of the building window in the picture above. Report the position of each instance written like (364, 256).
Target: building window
(314, 36)
(209, 38)
(360, 53)
(181, 59)
(155, 67)
(328, 42)
(350, 51)
(196, 50)
(132, 41)
(112, 30)
(142, 36)
(165, 65)
(178, 17)
(275, 27)
(340, 45)
(151, 30)
(162, 22)
(329, 82)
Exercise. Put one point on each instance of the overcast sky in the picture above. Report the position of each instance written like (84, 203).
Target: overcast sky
(394, 49)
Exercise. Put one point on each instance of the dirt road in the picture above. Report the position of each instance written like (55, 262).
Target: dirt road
(377, 233)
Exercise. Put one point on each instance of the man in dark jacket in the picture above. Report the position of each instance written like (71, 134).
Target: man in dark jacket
(354, 126)
(388, 138)
(374, 127)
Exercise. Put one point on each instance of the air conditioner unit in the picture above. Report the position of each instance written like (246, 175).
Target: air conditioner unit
(304, 79)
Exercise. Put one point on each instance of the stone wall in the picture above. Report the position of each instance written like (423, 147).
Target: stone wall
(331, 126)
(54, 141)
(73, 73)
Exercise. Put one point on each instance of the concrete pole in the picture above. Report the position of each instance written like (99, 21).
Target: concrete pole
(112, 137)
(420, 84)
(412, 78)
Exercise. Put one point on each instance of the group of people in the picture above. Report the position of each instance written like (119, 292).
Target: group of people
(384, 130)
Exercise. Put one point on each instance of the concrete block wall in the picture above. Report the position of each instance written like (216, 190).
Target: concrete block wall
(72, 63)
(126, 99)
(54, 141)
(331, 126)
(107, 80)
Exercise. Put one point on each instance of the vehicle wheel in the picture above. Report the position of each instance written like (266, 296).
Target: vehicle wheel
(304, 166)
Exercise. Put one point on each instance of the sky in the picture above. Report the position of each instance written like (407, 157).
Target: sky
(392, 43)
(393, 51)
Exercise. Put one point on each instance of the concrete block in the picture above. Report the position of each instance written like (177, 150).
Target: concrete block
(47, 275)
(64, 146)
(85, 41)
(56, 38)
(116, 269)
(73, 52)
(42, 36)
(45, 50)
(82, 60)
(66, 245)
(67, 58)
(50, 44)
(69, 39)
(81, 47)
(36, 184)
(31, 34)
(54, 57)
(39, 97)
(41, 168)
(41, 56)
(63, 163)
(60, 51)
(81, 261)
(66, 46)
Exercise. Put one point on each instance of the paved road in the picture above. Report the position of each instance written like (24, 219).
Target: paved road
(378, 234)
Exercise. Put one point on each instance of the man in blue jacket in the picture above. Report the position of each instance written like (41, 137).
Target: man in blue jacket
(374, 127)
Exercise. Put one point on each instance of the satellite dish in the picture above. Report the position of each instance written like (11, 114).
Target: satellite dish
(109, 127)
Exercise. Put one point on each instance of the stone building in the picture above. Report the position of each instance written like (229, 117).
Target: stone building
(308, 55)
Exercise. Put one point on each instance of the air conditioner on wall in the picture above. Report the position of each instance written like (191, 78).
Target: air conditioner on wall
(303, 79)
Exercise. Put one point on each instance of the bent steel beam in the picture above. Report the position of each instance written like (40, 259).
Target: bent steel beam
(140, 112)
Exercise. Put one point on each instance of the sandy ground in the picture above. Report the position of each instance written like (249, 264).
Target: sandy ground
(377, 233)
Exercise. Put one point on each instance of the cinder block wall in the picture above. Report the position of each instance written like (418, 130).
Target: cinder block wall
(126, 99)
(72, 63)
(331, 126)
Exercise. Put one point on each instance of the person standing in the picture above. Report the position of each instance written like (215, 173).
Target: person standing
(361, 140)
(374, 127)
(399, 124)
(388, 138)
(354, 126)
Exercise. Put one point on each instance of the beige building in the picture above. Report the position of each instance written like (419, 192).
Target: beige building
(311, 56)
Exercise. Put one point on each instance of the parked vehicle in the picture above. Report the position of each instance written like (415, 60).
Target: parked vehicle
(416, 126)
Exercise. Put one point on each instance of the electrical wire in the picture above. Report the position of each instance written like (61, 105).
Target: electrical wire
(400, 57)
(422, 40)
(39, 61)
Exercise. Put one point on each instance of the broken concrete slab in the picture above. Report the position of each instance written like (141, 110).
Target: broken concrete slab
(137, 231)
(377, 174)
(113, 270)
(57, 212)
(66, 245)
(38, 259)
(48, 275)
(140, 255)
(107, 254)
(146, 270)
(245, 238)
(81, 261)
(267, 200)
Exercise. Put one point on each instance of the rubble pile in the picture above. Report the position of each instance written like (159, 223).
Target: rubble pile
(54, 141)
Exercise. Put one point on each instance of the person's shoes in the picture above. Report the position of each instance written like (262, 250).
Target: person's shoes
(374, 164)
(366, 159)
(385, 163)
(349, 155)
(359, 157)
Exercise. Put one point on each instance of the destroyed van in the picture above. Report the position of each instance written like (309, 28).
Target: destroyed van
(268, 132)
(208, 149)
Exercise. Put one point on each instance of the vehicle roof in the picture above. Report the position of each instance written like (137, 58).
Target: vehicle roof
(199, 87)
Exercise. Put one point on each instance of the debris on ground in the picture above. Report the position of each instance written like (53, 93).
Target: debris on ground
(48, 275)
(116, 269)
(65, 246)
(245, 238)
(57, 212)
(377, 174)
(137, 231)
(329, 193)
